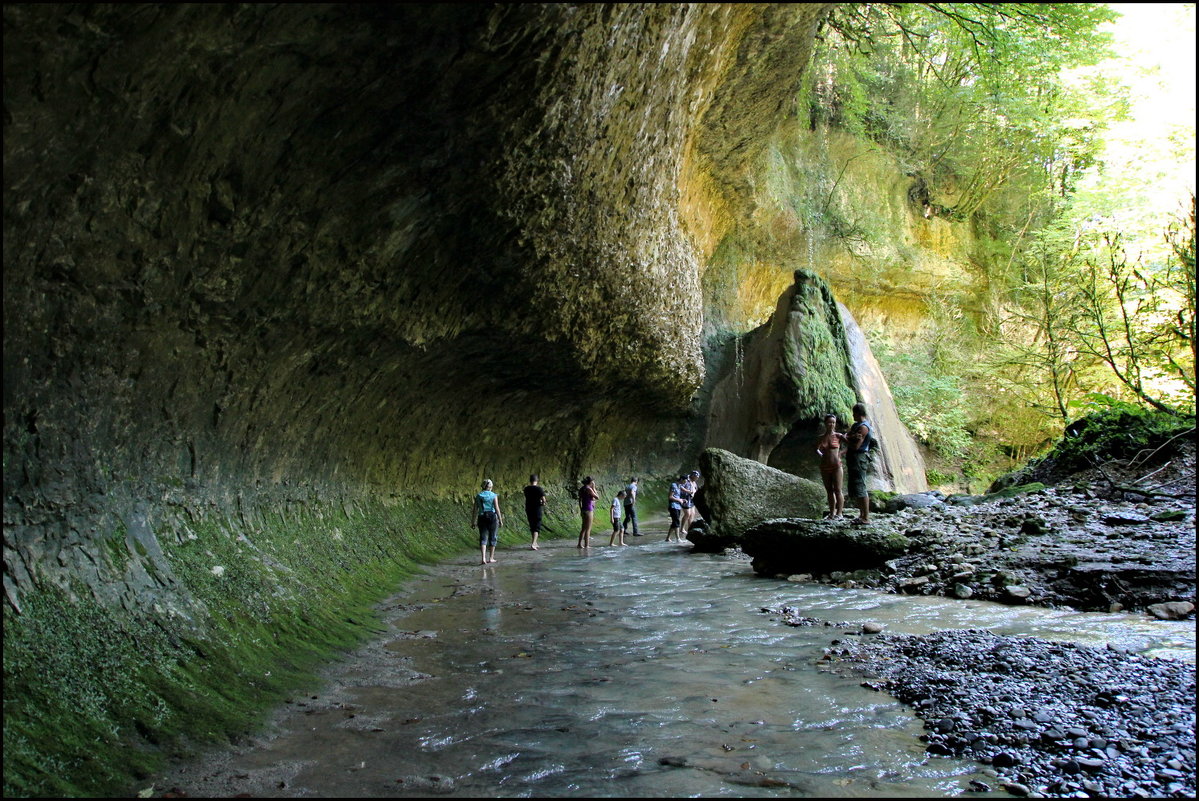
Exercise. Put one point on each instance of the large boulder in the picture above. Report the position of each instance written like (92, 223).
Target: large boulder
(819, 546)
(740, 493)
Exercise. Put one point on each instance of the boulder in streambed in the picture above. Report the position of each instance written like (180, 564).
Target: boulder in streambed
(739, 493)
(795, 545)
(1172, 610)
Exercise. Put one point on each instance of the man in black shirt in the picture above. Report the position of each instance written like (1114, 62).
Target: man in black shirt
(534, 507)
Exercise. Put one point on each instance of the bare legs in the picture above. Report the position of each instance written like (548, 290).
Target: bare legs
(617, 533)
(585, 531)
(836, 498)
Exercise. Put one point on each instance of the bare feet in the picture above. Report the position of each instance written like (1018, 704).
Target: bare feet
(535, 548)
(490, 560)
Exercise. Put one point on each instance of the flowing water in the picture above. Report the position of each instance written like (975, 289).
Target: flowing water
(900, 467)
(636, 671)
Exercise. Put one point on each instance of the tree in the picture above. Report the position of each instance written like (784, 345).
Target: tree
(1139, 319)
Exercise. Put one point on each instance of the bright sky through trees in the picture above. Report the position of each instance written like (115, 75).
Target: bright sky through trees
(1150, 157)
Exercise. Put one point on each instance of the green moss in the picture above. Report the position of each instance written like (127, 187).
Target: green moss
(1011, 492)
(1116, 433)
(96, 696)
(118, 550)
(816, 362)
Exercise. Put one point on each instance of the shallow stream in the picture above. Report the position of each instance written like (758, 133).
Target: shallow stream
(637, 671)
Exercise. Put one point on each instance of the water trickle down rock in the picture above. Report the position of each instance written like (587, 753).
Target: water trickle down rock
(809, 359)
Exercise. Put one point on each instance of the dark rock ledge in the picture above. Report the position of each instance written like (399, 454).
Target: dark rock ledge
(1050, 718)
(1057, 547)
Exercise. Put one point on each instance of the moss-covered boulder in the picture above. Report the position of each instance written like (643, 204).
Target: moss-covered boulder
(786, 546)
(740, 493)
(1123, 432)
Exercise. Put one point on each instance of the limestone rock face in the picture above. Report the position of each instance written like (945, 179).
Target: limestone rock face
(794, 367)
(808, 360)
(740, 493)
(262, 254)
(818, 546)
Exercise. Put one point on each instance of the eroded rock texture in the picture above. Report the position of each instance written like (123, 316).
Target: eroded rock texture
(259, 255)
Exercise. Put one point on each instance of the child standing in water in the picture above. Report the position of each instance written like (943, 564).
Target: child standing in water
(617, 529)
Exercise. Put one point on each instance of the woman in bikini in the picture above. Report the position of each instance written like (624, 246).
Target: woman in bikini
(829, 447)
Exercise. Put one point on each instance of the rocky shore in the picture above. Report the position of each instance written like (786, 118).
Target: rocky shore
(1087, 543)
(1050, 718)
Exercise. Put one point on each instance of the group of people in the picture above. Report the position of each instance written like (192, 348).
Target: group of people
(839, 454)
(856, 445)
(487, 517)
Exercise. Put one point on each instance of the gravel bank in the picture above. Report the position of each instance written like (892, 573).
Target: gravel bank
(1050, 718)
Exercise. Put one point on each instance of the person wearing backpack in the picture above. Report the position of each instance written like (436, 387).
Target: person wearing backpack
(861, 441)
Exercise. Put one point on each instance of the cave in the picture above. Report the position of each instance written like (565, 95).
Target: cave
(283, 284)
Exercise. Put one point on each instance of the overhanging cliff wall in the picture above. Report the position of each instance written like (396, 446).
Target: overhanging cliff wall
(283, 283)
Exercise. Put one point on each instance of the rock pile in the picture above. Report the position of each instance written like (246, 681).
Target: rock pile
(1051, 718)
(1058, 546)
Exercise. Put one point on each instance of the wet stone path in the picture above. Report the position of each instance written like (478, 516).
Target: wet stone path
(621, 672)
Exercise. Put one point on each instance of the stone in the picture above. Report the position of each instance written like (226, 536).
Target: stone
(1017, 592)
(1125, 518)
(962, 591)
(919, 500)
(740, 493)
(1172, 610)
(872, 628)
(795, 545)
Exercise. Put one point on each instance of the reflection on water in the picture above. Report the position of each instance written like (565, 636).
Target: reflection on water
(642, 671)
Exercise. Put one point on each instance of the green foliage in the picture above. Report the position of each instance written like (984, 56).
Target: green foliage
(928, 388)
(972, 94)
(1119, 432)
(937, 478)
(1085, 318)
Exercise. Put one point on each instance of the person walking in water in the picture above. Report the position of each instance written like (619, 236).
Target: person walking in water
(860, 440)
(630, 507)
(617, 529)
(674, 505)
(829, 447)
(534, 507)
(587, 498)
(485, 513)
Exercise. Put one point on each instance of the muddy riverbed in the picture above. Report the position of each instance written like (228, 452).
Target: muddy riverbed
(637, 671)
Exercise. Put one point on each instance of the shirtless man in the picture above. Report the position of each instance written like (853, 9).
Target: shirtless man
(860, 442)
(829, 447)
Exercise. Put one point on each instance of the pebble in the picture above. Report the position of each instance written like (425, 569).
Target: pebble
(1015, 703)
